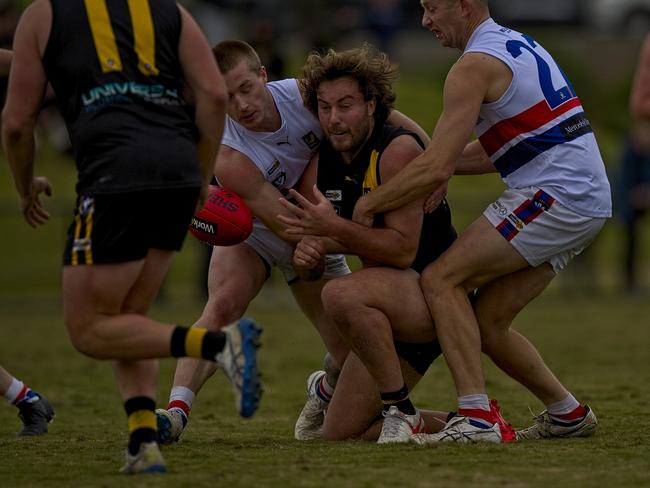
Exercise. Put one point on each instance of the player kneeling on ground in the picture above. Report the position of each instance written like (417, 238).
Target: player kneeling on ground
(380, 310)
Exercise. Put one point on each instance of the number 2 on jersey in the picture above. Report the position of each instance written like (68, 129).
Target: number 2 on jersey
(104, 37)
(553, 97)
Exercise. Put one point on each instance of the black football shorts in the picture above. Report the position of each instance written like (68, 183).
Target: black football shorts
(122, 227)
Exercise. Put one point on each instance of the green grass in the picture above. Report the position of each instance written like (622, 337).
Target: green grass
(598, 346)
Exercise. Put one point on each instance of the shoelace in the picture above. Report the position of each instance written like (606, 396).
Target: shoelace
(392, 424)
(541, 418)
(315, 414)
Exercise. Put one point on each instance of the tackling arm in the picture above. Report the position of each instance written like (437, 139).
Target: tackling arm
(238, 173)
(395, 244)
(464, 91)
(474, 161)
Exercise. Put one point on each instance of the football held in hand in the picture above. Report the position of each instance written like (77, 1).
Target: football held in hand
(224, 220)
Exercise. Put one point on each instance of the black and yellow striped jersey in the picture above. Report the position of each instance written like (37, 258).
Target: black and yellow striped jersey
(343, 184)
(115, 69)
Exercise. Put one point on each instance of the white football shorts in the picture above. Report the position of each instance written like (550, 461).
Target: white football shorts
(276, 252)
(540, 228)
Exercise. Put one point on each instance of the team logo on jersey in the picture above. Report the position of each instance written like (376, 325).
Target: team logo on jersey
(499, 208)
(273, 168)
(311, 140)
(334, 195)
(280, 180)
(575, 126)
(515, 221)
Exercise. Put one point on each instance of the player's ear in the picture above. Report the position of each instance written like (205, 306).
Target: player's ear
(370, 107)
(263, 74)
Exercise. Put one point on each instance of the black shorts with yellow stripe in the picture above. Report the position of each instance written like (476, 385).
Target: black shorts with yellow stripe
(122, 227)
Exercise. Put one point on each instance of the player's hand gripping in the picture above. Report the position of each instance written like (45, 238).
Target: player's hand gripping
(30, 204)
(361, 215)
(309, 258)
(309, 218)
(436, 198)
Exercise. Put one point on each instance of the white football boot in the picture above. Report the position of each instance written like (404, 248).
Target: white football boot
(170, 425)
(399, 427)
(464, 430)
(312, 416)
(545, 428)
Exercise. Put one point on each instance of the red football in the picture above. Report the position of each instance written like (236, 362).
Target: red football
(224, 220)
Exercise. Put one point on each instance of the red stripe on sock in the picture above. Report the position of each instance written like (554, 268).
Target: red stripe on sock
(179, 404)
(478, 413)
(578, 413)
(321, 389)
(21, 395)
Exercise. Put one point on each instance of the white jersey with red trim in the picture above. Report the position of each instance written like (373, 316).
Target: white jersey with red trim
(281, 156)
(537, 133)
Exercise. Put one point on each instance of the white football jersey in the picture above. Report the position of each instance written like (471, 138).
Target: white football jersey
(537, 133)
(282, 155)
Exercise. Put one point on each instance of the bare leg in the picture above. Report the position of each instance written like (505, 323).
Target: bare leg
(445, 282)
(5, 380)
(355, 409)
(100, 321)
(138, 377)
(308, 297)
(235, 277)
(373, 306)
(498, 304)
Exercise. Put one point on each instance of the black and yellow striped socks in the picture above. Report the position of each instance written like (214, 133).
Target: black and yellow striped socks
(400, 399)
(196, 343)
(140, 412)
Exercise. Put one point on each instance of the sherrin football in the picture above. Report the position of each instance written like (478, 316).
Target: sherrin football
(224, 220)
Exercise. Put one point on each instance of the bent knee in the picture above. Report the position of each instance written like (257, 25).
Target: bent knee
(338, 297)
(219, 312)
(437, 279)
(86, 341)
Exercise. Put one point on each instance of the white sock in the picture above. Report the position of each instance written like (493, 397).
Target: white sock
(15, 389)
(563, 407)
(475, 402)
(182, 394)
(323, 389)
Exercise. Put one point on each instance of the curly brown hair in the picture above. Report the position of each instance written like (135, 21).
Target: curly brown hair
(371, 68)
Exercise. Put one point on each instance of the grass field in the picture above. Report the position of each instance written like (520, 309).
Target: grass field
(598, 346)
(596, 339)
